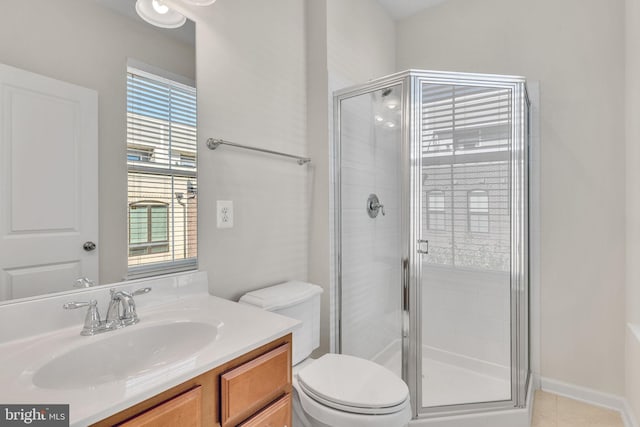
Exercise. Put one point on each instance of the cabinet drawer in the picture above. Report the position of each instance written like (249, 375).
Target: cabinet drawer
(251, 386)
(278, 414)
(184, 410)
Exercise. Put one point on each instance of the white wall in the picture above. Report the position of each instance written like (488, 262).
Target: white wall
(252, 90)
(632, 370)
(574, 48)
(318, 137)
(86, 44)
(360, 41)
(632, 14)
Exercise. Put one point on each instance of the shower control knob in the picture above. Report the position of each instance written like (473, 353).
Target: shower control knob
(89, 246)
(374, 206)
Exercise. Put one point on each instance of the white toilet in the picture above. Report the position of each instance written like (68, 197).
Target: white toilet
(334, 390)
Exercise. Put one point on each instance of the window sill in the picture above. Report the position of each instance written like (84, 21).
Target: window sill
(151, 270)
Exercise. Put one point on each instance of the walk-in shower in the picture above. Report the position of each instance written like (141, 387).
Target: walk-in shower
(431, 235)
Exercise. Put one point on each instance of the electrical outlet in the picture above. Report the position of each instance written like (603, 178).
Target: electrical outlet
(224, 208)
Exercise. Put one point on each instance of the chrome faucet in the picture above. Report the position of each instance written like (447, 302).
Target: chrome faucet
(84, 282)
(122, 308)
(121, 312)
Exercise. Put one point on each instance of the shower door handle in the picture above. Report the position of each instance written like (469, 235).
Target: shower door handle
(405, 298)
(423, 247)
(405, 284)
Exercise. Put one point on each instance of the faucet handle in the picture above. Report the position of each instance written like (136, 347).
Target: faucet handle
(133, 293)
(84, 282)
(141, 291)
(92, 324)
(73, 305)
(129, 314)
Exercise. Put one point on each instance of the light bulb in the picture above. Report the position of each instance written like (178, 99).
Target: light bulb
(155, 12)
(159, 7)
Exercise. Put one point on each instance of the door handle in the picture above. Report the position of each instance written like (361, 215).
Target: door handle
(405, 297)
(89, 246)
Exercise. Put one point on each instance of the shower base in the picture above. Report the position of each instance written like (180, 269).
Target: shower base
(450, 383)
(449, 379)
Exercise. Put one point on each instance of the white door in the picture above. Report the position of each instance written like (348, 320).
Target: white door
(48, 184)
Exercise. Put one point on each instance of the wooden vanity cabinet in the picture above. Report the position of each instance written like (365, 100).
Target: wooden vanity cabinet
(251, 390)
(184, 410)
(276, 414)
(251, 386)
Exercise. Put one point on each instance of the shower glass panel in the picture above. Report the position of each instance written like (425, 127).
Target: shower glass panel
(434, 283)
(466, 285)
(370, 251)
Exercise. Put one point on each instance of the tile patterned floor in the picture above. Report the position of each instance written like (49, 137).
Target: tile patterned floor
(550, 410)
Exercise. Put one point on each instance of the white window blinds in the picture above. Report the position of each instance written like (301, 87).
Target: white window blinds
(466, 138)
(162, 175)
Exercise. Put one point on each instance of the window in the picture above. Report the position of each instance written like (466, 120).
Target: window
(467, 137)
(161, 169)
(435, 210)
(139, 154)
(148, 228)
(478, 206)
(187, 160)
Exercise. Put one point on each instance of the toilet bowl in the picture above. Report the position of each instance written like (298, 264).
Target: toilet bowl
(344, 391)
(334, 390)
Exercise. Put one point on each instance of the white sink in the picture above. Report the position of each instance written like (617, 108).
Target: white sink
(129, 353)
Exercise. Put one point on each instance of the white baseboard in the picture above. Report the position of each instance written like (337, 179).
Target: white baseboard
(594, 397)
(628, 417)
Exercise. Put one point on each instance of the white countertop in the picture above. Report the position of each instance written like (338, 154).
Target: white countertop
(240, 329)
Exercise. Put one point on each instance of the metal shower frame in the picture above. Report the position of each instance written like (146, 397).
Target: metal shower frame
(411, 229)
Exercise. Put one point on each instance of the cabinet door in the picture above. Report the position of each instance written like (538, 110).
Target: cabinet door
(278, 414)
(252, 385)
(184, 410)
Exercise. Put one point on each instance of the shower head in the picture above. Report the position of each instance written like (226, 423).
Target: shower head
(386, 92)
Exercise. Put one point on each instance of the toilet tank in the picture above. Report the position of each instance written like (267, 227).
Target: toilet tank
(298, 300)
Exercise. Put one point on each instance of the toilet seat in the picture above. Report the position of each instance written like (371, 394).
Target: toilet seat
(317, 412)
(354, 385)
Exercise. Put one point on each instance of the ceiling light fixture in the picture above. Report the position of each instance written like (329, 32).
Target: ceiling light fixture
(155, 12)
(200, 2)
(159, 7)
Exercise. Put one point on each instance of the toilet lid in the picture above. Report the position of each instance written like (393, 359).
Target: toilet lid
(353, 384)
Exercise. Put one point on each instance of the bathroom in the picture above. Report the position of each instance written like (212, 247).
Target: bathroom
(265, 74)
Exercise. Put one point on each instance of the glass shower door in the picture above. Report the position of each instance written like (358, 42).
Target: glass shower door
(368, 221)
(465, 141)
